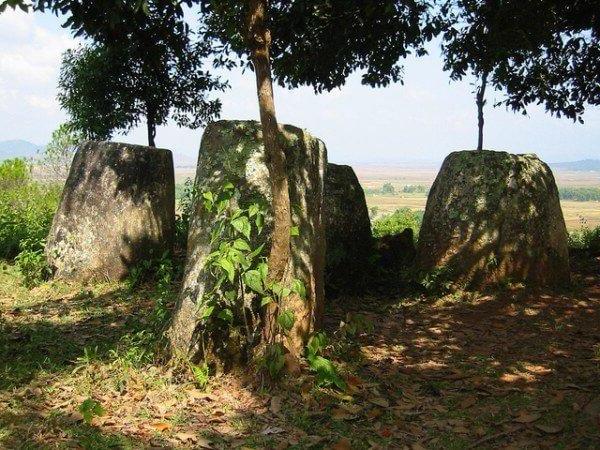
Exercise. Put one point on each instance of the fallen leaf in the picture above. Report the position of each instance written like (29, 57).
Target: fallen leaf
(342, 414)
(272, 430)
(160, 426)
(468, 402)
(525, 417)
(186, 437)
(550, 429)
(276, 404)
(380, 401)
(342, 444)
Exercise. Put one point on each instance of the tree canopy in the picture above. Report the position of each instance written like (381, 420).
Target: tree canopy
(320, 43)
(136, 70)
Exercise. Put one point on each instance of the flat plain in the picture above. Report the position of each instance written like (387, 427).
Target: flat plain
(576, 213)
(373, 177)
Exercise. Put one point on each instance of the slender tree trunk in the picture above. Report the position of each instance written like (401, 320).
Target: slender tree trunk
(151, 125)
(480, 104)
(259, 41)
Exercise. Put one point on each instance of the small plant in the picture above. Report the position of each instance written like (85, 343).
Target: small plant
(186, 198)
(89, 409)
(437, 281)
(326, 372)
(397, 222)
(585, 238)
(201, 374)
(32, 264)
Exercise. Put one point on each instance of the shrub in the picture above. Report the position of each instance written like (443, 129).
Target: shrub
(397, 221)
(415, 189)
(580, 194)
(26, 208)
(185, 195)
(388, 188)
(585, 239)
(31, 262)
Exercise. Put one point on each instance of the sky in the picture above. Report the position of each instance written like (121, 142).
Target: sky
(418, 122)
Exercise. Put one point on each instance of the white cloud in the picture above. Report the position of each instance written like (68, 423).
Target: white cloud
(30, 55)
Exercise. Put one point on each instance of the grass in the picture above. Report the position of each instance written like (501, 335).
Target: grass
(444, 375)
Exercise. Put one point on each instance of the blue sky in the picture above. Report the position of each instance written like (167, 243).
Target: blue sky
(420, 121)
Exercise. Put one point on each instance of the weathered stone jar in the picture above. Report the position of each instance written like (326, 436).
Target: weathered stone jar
(117, 209)
(495, 217)
(233, 152)
(348, 231)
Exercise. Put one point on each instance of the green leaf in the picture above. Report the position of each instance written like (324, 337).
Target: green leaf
(260, 222)
(209, 200)
(286, 320)
(228, 187)
(299, 288)
(266, 300)
(228, 267)
(242, 225)
(90, 408)
(263, 268)
(231, 295)
(253, 209)
(256, 252)
(207, 312)
(316, 344)
(226, 314)
(253, 280)
(294, 231)
(241, 244)
(327, 374)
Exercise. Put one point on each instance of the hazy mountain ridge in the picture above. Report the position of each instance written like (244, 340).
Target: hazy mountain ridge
(583, 165)
(18, 148)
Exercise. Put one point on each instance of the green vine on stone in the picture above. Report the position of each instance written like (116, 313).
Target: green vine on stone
(238, 269)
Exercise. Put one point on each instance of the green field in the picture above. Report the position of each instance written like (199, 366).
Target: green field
(576, 213)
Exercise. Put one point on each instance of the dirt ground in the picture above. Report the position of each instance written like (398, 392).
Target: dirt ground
(514, 368)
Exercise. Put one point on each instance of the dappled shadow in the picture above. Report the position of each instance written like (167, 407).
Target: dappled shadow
(117, 208)
(492, 217)
(35, 339)
(232, 152)
(509, 351)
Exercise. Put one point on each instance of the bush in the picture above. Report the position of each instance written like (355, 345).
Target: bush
(26, 209)
(32, 264)
(397, 221)
(585, 239)
(185, 195)
(415, 189)
(580, 194)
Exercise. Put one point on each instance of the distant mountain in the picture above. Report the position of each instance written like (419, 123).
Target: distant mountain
(18, 149)
(584, 165)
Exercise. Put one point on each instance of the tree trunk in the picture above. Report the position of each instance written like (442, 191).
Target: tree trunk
(151, 129)
(259, 41)
(480, 104)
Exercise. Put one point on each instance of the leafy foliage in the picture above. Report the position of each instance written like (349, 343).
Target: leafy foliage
(337, 37)
(152, 72)
(586, 239)
(89, 409)
(239, 272)
(580, 194)
(26, 209)
(326, 372)
(397, 221)
(185, 197)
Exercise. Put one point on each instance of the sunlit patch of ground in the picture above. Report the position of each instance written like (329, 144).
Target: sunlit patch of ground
(509, 369)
